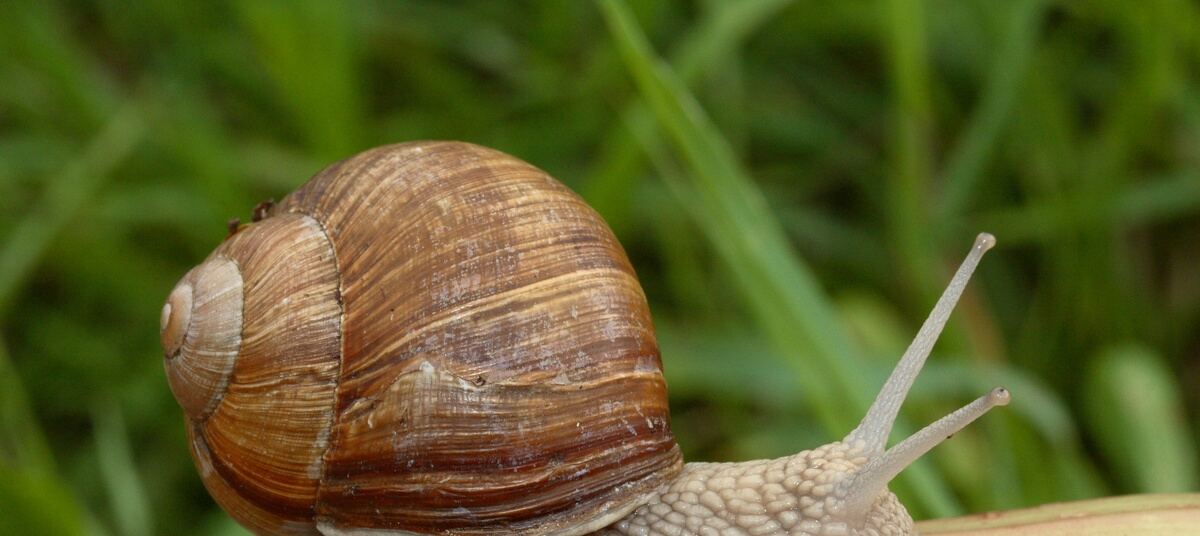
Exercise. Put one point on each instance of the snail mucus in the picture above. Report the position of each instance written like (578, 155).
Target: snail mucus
(439, 338)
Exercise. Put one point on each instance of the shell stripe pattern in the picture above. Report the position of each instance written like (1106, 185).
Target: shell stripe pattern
(465, 349)
(271, 426)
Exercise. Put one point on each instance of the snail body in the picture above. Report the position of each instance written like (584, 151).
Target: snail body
(438, 338)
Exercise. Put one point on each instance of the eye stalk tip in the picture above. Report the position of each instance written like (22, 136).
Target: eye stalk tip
(985, 241)
(999, 397)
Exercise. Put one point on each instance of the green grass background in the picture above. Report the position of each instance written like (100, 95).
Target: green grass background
(793, 180)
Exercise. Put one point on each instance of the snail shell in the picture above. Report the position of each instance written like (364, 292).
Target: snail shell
(430, 337)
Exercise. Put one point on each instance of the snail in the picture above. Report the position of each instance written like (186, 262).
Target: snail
(439, 338)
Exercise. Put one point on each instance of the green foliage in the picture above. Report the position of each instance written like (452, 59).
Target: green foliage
(1136, 410)
(793, 180)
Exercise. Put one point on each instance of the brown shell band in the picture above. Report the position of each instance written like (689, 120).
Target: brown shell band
(271, 428)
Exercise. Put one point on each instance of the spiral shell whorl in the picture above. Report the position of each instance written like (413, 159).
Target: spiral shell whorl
(499, 368)
(259, 442)
(437, 338)
(202, 333)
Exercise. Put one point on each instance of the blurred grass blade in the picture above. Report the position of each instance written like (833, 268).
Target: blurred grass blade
(737, 219)
(36, 504)
(220, 524)
(1033, 400)
(1159, 198)
(674, 231)
(906, 202)
(309, 49)
(737, 222)
(126, 494)
(611, 182)
(32, 499)
(965, 164)
(41, 35)
(727, 25)
(698, 365)
(66, 193)
(1144, 202)
(1136, 410)
(22, 442)
(778, 287)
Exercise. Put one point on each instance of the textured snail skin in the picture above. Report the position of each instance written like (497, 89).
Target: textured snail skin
(438, 338)
(796, 495)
